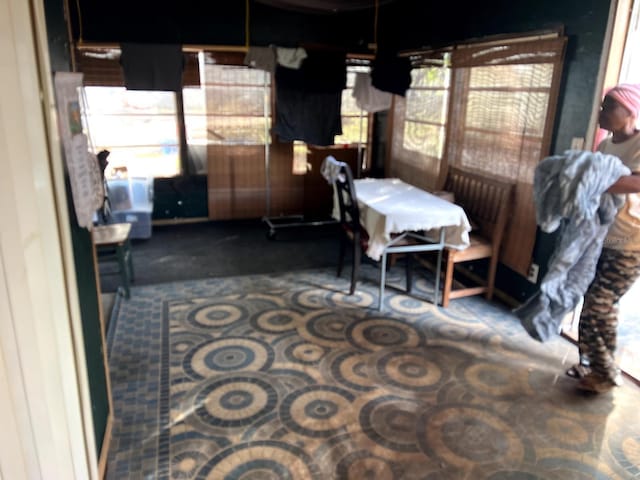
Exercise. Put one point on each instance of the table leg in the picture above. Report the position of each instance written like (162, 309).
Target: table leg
(122, 254)
(130, 261)
(436, 291)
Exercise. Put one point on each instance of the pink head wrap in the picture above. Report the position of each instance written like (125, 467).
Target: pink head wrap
(627, 95)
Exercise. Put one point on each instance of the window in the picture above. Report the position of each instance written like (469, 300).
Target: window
(426, 111)
(485, 107)
(355, 121)
(139, 128)
(420, 121)
(233, 107)
(505, 117)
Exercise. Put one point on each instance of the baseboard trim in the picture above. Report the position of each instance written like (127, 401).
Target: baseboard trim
(178, 221)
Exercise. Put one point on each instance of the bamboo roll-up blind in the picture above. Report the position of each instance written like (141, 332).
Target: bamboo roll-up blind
(500, 123)
(238, 120)
(101, 68)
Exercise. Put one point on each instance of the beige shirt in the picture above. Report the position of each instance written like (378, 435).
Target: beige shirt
(624, 233)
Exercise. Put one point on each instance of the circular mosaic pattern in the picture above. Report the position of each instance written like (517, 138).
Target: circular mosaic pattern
(360, 298)
(234, 401)
(216, 315)
(312, 298)
(325, 327)
(377, 333)
(410, 305)
(227, 354)
(185, 464)
(317, 410)
(304, 352)
(465, 435)
(390, 421)
(408, 371)
(276, 321)
(626, 450)
(350, 369)
(521, 472)
(569, 433)
(582, 466)
(452, 331)
(261, 460)
(182, 342)
(190, 450)
(496, 380)
(362, 465)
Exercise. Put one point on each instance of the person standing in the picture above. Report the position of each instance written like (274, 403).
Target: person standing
(619, 263)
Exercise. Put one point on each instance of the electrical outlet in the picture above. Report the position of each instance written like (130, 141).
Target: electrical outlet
(532, 276)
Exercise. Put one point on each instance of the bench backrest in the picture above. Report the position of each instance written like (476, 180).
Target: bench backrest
(488, 202)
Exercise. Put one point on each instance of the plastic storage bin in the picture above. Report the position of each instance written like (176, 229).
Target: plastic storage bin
(132, 201)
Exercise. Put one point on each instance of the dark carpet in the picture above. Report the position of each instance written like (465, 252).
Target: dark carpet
(220, 249)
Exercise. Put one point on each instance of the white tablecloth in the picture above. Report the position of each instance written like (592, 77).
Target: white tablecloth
(391, 206)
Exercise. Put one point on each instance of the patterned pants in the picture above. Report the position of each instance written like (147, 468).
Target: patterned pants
(616, 272)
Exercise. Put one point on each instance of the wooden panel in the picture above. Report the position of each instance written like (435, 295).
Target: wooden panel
(236, 182)
(287, 189)
(520, 236)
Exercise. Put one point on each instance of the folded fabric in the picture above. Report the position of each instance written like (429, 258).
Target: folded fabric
(330, 169)
(570, 196)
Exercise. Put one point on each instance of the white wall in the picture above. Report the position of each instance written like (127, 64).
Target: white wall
(44, 410)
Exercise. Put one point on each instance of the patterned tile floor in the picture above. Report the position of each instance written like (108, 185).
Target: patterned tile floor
(285, 377)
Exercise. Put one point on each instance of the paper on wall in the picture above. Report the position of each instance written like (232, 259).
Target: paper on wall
(87, 187)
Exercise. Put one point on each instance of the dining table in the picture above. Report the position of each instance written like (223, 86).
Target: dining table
(402, 218)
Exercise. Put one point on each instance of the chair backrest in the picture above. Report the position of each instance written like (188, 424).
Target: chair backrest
(346, 196)
(486, 201)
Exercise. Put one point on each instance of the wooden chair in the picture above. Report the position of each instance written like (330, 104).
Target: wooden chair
(353, 232)
(487, 203)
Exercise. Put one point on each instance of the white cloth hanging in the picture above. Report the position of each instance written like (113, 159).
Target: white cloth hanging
(368, 97)
(291, 57)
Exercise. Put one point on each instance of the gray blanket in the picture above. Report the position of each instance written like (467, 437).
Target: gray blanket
(570, 195)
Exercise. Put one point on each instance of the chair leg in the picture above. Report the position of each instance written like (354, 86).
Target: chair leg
(491, 277)
(408, 267)
(436, 286)
(383, 279)
(124, 269)
(343, 241)
(448, 281)
(356, 264)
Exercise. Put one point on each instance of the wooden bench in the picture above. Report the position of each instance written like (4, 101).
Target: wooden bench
(487, 203)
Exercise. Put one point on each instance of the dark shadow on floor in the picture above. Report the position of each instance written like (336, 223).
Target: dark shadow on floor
(220, 249)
